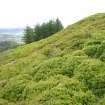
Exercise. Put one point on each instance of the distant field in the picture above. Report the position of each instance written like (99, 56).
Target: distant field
(11, 34)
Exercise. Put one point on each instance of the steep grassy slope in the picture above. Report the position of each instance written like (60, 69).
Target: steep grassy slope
(67, 68)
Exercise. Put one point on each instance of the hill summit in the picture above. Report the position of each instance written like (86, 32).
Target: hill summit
(67, 68)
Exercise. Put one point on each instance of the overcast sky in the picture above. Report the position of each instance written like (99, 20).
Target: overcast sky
(19, 13)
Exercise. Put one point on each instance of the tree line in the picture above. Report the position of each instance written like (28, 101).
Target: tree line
(41, 31)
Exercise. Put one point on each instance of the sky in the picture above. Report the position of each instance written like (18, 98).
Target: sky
(20, 13)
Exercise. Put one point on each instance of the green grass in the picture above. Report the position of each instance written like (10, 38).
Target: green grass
(67, 68)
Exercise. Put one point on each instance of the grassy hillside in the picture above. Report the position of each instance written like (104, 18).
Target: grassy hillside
(67, 68)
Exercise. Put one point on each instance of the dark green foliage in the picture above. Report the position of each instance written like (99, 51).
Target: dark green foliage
(42, 31)
(28, 35)
(90, 50)
(46, 29)
(94, 48)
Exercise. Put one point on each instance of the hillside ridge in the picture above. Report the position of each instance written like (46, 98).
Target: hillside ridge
(67, 68)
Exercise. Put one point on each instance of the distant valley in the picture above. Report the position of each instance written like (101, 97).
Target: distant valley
(11, 34)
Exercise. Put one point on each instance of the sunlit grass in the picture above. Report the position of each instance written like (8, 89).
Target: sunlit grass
(67, 68)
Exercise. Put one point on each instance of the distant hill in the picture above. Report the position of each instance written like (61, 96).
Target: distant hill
(67, 68)
(11, 34)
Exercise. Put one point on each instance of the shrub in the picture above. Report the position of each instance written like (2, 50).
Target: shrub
(92, 73)
(67, 92)
(13, 90)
